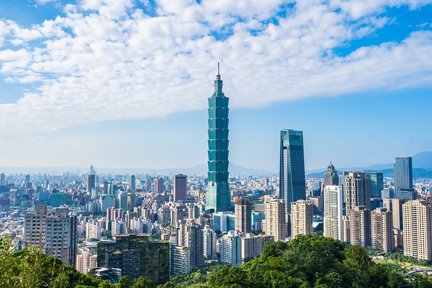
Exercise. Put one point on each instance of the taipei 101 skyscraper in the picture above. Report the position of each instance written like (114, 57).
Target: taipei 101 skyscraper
(218, 195)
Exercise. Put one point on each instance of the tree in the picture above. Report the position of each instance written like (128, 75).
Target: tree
(143, 282)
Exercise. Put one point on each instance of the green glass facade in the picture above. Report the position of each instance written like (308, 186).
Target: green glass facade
(218, 195)
(136, 255)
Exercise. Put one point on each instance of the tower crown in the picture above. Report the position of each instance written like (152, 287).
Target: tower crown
(218, 82)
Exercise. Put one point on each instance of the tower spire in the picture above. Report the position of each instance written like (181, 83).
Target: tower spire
(218, 69)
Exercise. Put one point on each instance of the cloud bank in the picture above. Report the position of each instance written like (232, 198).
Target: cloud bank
(106, 60)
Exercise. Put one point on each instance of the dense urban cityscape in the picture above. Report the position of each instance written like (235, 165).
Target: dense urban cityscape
(215, 144)
(164, 225)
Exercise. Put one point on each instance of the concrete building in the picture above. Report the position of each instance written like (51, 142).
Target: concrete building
(180, 187)
(395, 206)
(360, 226)
(357, 190)
(253, 245)
(275, 218)
(243, 215)
(86, 258)
(417, 238)
(93, 230)
(157, 186)
(301, 218)
(230, 248)
(333, 211)
(382, 230)
(331, 177)
(180, 260)
(209, 243)
(53, 232)
(106, 201)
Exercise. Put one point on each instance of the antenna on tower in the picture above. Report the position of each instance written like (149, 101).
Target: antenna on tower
(218, 69)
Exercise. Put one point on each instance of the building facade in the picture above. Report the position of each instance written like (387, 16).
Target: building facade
(331, 176)
(417, 238)
(360, 226)
(376, 182)
(275, 218)
(218, 194)
(395, 206)
(292, 184)
(301, 218)
(403, 178)
(382, 230)
(180, 187)
(333, 211)
(357, 190)
(53, 232)
(243, 215)
(136, 255)
(230, 248)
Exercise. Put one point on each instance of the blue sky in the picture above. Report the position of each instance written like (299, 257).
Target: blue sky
(125, 83)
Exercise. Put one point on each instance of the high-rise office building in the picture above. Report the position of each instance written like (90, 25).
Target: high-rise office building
(275, 218)
(218, 194)
(157, 185)
(417, 238)
(180, 187)
(132, 183)
(53, 232)
(301, 218)
(91, 180)
(357, 190)
(136, 255)
(395, 206)
(331, 176)
(382, 230)
(2, 179)
(2, 182)
(376, 182)
(360, 226)
(122, 200)
(292, 184)
(403, 178)
(243, 215)
(333, 211)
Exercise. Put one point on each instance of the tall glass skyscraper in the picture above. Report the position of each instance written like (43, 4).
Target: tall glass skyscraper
(403, 178)
(292, 185)
(218, 195)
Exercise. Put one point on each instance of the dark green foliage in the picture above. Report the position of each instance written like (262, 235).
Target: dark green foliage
(309, 261)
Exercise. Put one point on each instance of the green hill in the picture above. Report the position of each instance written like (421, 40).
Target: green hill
(308, 261)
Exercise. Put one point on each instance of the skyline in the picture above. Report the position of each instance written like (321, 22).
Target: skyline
(364, 76)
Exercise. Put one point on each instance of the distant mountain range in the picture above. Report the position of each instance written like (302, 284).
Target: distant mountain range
(235, 170)
(422, 167)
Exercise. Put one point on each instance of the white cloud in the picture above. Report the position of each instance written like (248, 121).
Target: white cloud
(109, 60)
